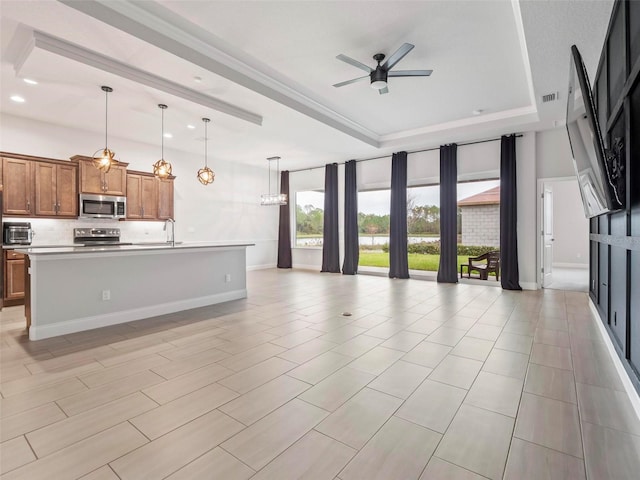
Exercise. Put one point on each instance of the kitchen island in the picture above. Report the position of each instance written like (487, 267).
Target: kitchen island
(71, 289)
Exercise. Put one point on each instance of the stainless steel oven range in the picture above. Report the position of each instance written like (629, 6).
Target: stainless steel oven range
(92, 237)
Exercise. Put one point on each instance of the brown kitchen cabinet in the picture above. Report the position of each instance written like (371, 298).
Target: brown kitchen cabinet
(95, 181)
(14, 277)
(56, 192)
(165, 198)
(18, 186)
(142, 196)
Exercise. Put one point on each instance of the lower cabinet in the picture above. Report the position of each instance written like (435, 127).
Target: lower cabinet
(14, 278)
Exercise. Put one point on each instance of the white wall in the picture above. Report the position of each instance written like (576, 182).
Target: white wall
(527, 226)
(570, 226)
(227, 210)
(553, 154)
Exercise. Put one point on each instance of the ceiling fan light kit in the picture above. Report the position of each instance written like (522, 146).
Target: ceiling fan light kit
(378, 77)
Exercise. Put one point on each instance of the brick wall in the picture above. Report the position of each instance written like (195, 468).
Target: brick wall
(481, 225)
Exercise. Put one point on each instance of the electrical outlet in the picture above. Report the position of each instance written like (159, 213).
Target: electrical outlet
(106, 295)
(227, 278)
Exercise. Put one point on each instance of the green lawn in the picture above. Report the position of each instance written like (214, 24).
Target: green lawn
(417, 261)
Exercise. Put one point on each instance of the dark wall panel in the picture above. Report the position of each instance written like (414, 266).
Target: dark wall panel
(618, 296)
(634, 152)
(615, 56)
(634, 31)
(634, 351)
(603, 287)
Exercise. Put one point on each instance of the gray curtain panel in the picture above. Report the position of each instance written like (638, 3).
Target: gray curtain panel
(509, 274)
(398, 260)
(284, 229)
(448, 268)
(330, 243)
(351, 242)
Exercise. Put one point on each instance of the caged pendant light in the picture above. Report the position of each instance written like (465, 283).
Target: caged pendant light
(205, 174)
(104, 158)
(162, 168)
(275, 198)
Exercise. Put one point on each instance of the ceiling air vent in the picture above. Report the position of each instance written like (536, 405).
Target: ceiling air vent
(550, 97)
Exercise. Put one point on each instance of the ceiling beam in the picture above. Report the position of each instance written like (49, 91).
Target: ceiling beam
(158, 26)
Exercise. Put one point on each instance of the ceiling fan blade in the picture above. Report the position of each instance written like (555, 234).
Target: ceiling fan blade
(384, 90)
(355, 63)
(410, 73)
(353, 80)
(397, 56)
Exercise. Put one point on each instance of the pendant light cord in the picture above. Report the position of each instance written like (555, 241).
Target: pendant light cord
(106, 123)
(162, 136)
(205, 145)
(269, 177)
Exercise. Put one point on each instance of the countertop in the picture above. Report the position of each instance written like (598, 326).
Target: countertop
(58, 249)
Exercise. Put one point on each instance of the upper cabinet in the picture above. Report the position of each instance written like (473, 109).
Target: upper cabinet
(92, 180)
(142, 196)
(56, 192)
(149, 198)
(18, 186)
(37, 186)
(165, 198)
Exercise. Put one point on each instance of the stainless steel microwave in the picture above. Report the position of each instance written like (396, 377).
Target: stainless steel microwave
(102, 206)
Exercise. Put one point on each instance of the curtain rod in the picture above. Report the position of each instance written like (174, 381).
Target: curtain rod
(414, 151)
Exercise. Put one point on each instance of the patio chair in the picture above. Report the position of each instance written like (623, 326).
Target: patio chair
(484, 265)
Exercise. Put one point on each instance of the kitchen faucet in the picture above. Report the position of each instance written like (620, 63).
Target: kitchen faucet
(173, 231)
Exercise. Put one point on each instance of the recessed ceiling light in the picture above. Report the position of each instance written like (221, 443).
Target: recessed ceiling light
(29, 81)
(168, 135)
(17, 98)
(197, 79)
(191, 127)
(478, 111)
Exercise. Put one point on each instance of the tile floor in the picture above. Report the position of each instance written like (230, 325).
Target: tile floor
(422, 381)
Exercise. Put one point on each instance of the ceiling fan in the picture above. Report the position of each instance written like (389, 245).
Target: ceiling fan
(379, 76)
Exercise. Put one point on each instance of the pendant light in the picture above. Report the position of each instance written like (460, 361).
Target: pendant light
(205, 174)
(275, 198)
(104, 158)
(162, 168)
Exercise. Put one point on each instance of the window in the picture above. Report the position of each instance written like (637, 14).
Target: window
(373, 227)
(309, 218)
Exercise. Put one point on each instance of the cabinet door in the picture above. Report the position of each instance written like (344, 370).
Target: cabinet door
(116, 181)
(165, 199)
(91, 179)
(14, 280)
(149, 198)
(17, 183)
(67, 190)
(45, 191)
(134, 196)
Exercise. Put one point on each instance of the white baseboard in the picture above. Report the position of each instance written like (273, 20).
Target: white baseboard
(261, 267)
(571, 265)
(622, 373)
(529, 285)
(38, 332)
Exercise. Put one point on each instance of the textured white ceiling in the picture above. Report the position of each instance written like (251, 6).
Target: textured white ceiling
(277, 60)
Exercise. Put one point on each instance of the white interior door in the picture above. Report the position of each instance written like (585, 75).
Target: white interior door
(547, 235)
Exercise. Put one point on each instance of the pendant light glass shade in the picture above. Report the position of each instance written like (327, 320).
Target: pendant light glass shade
(104, 158)
(205, 174)
(162, 169)
(275, 198)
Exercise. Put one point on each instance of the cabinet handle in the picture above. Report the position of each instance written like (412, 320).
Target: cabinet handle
(28, 206)
(142, 209)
